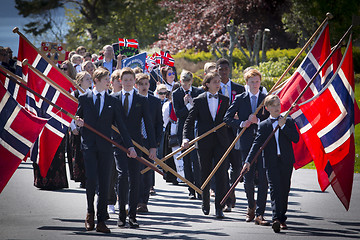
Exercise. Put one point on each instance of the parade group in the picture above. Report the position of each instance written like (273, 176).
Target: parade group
(163, 116)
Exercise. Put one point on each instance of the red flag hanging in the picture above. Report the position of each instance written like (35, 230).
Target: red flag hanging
(332, 115)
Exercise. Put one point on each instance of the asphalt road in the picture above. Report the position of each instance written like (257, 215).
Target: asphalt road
(29, 213)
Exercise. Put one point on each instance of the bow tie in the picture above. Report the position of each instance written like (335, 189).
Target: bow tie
(213, 96)
(274, 119)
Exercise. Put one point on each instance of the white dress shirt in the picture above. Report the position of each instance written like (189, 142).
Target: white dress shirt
(213, 105)
(274, 124)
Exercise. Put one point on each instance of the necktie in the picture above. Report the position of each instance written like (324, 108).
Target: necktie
(213, 96)
(253, 103)
(187, 92)
(143, 129)
(126, 103)
(227, 91)
(97, 103)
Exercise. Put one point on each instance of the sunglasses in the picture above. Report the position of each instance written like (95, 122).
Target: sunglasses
(162, 93)
(169, 74)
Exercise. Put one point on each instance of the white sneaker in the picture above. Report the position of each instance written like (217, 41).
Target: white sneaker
(111, 208)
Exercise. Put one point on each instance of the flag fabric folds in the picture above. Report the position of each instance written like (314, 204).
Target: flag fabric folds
(331, 116)
(294, 86)
(123, 42)
(18, 132)
(168, 59)
(50, 138)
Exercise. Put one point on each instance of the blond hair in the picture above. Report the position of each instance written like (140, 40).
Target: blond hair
(99, 73)
(186, 76)
(249, 73)
(80, 77)
(126, 70)
(270, 99)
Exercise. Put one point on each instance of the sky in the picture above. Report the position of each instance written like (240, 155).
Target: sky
(9, 19)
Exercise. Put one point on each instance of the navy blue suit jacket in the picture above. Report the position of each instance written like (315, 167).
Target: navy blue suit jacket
(139, 110)
(110, 114)
(156, 116)
(201, 113)
(287, 136)
(242, 106)
(180, 108)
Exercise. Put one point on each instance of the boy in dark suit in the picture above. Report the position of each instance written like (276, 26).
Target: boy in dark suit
(230, 89)
(278, 158)
(182, 99)
(245, 105)
(100, 110)
(134, 108)
(209, 110)
(147, 179)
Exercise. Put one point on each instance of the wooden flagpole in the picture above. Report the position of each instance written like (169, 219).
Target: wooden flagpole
(328, 16)
(191, 142)
(10, 76)
(287, 114)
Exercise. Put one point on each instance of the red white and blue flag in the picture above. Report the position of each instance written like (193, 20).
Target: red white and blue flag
(167, 58)
(133, 43)
(19, 129)
(50, 138)
(331, 115)
(297, 82)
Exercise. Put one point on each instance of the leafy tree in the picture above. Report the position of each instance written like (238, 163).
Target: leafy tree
(95, 23)
(306, 15)
(199, 23)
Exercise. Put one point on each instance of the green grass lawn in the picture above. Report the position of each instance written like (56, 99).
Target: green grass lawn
(357, 137)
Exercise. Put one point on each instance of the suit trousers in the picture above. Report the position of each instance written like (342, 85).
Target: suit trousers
(207, 156)
(98, 168)
(192, 169)
(146, 179)
(128, 182)
(249, 185)
(279, 177)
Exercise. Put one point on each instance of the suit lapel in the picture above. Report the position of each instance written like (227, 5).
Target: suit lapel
(248, 102)
(91, 102)
(134, 100)
(206, 103)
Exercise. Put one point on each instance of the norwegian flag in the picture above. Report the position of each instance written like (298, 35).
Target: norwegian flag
(332, 115)
(123, 42)
(18, 93)
(39, 61)
(150, 63)
(158, 58)
(297, 82)
(168, 59)
(18, 131)
(50, 138)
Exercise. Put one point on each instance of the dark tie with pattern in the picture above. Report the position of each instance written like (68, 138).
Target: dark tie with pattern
(97, 103)
(126, 103)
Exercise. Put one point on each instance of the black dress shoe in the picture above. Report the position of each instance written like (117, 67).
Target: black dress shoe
(101, 227)
(219, 214)
(192, 196)
(121, 222)
(205, 208)
(133, 223)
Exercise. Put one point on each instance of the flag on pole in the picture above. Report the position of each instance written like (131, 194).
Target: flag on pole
(18, 131)
(297, 82)
(50, 138)
(332, 115)
(168, 59)
(39, 61)
(44, 149)
(133, 43)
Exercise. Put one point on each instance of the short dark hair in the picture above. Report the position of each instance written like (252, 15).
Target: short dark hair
(100, 73)
(207, 79)
(222, 61)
